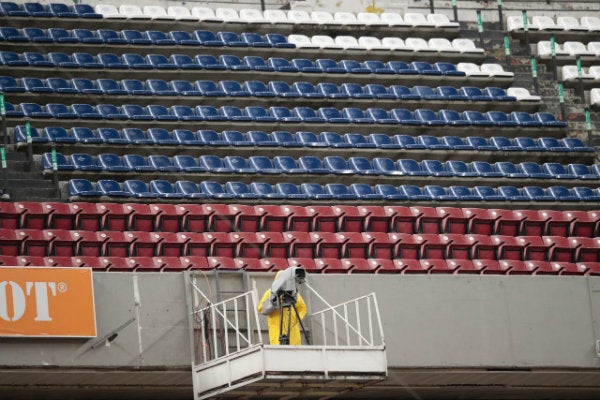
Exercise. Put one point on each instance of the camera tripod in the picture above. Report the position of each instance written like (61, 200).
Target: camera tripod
(289, 302)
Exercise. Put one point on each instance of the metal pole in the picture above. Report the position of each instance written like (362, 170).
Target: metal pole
(4, 167)
(455, 10)
(500, 17)
(534, 74)
(580, 79)
(561, 100)
(3, 113)
(29, 143)
(431, 7)
(553, 53)
(262, 5)
(507, 52)
(526, 31)
(55, 171)
(588, 124)
(480, 28)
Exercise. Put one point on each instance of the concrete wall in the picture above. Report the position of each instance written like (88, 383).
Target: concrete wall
(429, 321)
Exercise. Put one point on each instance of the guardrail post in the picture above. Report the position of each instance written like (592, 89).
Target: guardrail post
(455, 10)
(29, 143)
(500, 17)
(507, 52)
(580, 79)
(534, 74)
(480, 28)
(526, 31)
(553, 54)
(561, 100)
(3, 116)
(588, 124)
(431, 7)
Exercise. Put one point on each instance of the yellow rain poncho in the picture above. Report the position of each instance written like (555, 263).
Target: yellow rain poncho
(274, 318)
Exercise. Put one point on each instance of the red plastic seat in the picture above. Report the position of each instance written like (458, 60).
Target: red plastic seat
(324, 219)
(410, 266)
(332, 266)
(558, 223)
(277, 264)
(168, 264)
(273, 244)
(401, 219)
(567, 268)
(223, 244)
(408, 247)
(308, 263)
(453, 220)
(588, 249)
(273, 218)
(247, 218)
(300, 219)
(8, 261)
(544, 267)
(92, 262)
(34, 215)
(32, 261)
(510, 247)
(250, 244)
(481, 221)
(374, 219)
(58, 261)
(194, 263)
(380, 245)
(591, 268)
(144, 244)
(233, 217)
(534, 223)
(428, 220)
(509, 223)
(561, 248)
(483, 247)
(90, 216)
(490, 267)
(465, 266)
(459, 246)
(168, 217)
(223, 263)
(349, 218)
(196, 217)
(171, 244)
(585, 224)
(361, 265)
(10, 215)
(62, 243)
(198, 244)
(434, 246)
(518, 267)
(353, 244)
(327, 244)
(119, 264)
(146, 264)
(300, 244)
(35, 242)
(142, 217)
(91, 244)
(61, 215)
(386, 266)
(118, 244)
(537, 249)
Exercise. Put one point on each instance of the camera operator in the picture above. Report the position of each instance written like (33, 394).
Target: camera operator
(279, 317)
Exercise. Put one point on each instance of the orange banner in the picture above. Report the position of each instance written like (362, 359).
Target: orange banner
(47, 302)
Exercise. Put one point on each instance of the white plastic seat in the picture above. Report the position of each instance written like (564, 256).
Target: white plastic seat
(323, 18)
(181, 13)
(252, 16)
(471, 70)
(131, 11)
(394, 43)
(543, 23)
(371, 43)
(301, 41)
(346, 18)
(418, 45)
(496, 71)
(594, 71)
(157, 12)
(348, 43)
(442, 45)
(594, 47)
(544, 49)
(569, 24)
(466, 46)
(324, 42)
(370, 19)
(108, 11)
(441, 21)
(417, 20)
(276, 16)
(522, 94)
(393, 19)
(591, 23)
(595, 97)
(300, 17)
(569, 73)
(227, 14)
(515, 23)
(205, 14)
(577, 49)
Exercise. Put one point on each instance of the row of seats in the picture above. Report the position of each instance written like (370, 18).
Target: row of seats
(587, 23)
(572, 73)
(162, 189)
(207, 88)
(251, 63)
(336, 165)
(296, 17)
(315, 244)
(280, 114)
(216, 217)
(568, 49)
(137, 38)
(184, 137)
(458, 46)
(313, 266)
(52, 10)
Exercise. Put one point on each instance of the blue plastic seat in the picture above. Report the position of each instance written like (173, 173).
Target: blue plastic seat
(253, 39)
(111, 87)
(12, 9)
(233, 63)
(549, 120)
(186, 137)
(284, 139)
(112, 162)
(362, 166)
(485, 169)
(239, 190)
(208, 88)
(110, 36)
(305, 65)
(435, 168)
(530, 144)
(561, 193)
(585, 193)
(476, 118)
(582, 171)
(263, 165)
(499, 118)
(307, 114)
(498, 94)
(448, 69)
(110, 111)
(281, 64)
(36, 10)
(378, 67)
(402, 68)
(456, 143)
(357, 116)
(279, 41)
(315, 191)
(111, 136)
(533, 170)
(557, 171)
(83, 162)
(358, 141)
(413, 192)
(36, 59)
(363, 191)
(160, 113)
(209, 62)
(214, 190)
(233, 113)
(184, 88)
(290, 191)
(337, 165)
(309, 139)
(282, 89)
(136, 112)
(85, 135)
(450, 93)
(37, 35)
(339, 191)
(13, 110)
(207, 38)
(389, 192)
(87, 86)
(405, 117)
(82, 188)
(210, 138)
(86, 11)
(428, 117)
(135, 37)
(378, 91)
(160, 87)
(112, 61)
(460, 168)
(235, 138)
(161, 163)
(265, 191)
(283, 114)
(257, 63)
(10, 58)
(383, 141)
(158, 61)
(183, 38)
(257, 89)
(210, 113)
(487, 193)
(463, 193)
(438, 193)
(231, 39)
(354, 91)
(87, 36)
(424, 68)
(137, 163)
(8, 84)
(576, 144)
(329, 66)
(61, 10)
(135, 61)
(259, 114)
(183, 61)
(213, 164)
(86, 60)
(354, 67)
(35, 110)
(9, 34)
(427, 93)
(288, 165)
(509, 170)
(381, 116)
(474, 93)
(135, 136)
(410, 167)
(504, 143)
(313, 165)
(403, 93)
(511, 193)
(58, 134)
(233, 88)
(431, 142)
(480, 143)
(112, 188)
(138, 189)
(408, 142)
(552, 144)
(331, 91)
(187, 163)
(61, 111)
(159, 38)
(524, 119)
(161, 137)
(332, 115)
